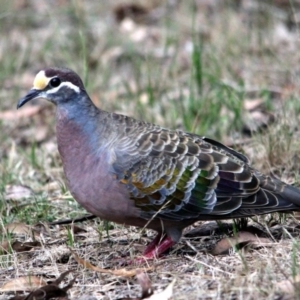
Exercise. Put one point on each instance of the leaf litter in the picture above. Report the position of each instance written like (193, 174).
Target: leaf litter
(196, 276)
(41, 290)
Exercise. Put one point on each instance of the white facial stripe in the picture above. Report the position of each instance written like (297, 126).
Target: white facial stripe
(68, 84)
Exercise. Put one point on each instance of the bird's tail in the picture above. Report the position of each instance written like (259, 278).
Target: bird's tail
(288, 196)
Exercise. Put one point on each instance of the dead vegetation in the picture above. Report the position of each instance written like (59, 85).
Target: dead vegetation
(223, 69)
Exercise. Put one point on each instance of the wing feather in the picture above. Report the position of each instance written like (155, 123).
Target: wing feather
(175, 175)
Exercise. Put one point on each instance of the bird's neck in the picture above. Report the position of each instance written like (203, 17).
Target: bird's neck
(82, 125)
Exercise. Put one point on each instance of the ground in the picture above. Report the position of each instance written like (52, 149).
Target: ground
(228, 70)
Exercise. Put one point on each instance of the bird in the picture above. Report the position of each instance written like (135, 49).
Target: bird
(136, 173)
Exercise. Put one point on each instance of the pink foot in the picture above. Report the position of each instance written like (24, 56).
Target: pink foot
(156, 248)
(159, 245)
(153, 244)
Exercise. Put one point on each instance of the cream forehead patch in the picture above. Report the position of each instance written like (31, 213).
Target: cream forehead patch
(40, 81)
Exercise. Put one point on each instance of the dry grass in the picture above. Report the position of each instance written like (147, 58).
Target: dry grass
(181, 65)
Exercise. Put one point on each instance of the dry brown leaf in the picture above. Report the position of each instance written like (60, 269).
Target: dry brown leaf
(22, 230)
(17, 246)
(17, 192)
(26, 246)
(27, 283)
(119, 272)
(48, 291)
(4, 247)
(251, 104)
(290, 286)
(26, 112)
(18, 228)
(242, 239)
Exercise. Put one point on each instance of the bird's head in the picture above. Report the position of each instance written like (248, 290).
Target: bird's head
(57, 85)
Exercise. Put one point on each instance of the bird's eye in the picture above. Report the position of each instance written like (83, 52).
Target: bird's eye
(55, 82)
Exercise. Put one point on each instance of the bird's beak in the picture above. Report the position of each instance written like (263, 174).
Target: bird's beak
(32, 94)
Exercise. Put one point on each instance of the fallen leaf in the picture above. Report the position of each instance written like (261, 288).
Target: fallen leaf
(251, 104)
(25, 112)
(118, 272)
(18, 228)
(18, 246)
(27, 283)
(17, 192)
(290, 287)
(242, 239)
(4, 247)
(49, 291)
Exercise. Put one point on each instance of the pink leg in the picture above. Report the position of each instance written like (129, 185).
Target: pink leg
(161, 248)
(158, 246)
(153, 244)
